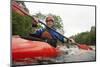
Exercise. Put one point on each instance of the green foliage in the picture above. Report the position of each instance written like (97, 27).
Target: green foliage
(40, 16)
(88, 38)
(21, 25)
(58, 22)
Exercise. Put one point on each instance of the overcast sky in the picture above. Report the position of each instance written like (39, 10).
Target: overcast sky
(76, 19)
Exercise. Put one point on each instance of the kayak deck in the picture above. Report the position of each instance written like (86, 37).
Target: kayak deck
(22, 49)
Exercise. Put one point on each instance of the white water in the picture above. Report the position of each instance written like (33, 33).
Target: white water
(75, 54)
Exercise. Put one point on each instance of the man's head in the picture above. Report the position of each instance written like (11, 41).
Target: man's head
(50, 21)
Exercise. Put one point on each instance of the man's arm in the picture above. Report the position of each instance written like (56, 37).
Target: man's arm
(61, 38)
(37, 33)
(35, 22)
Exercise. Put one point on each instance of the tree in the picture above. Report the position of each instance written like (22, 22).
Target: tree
(21, 25)
(40, 16)
(88, 38)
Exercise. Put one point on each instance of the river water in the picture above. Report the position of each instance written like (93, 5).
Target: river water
(72, 54)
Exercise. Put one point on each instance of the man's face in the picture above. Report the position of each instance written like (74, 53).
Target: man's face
(50, 23)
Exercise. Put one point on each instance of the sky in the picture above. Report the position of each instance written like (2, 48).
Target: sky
(75, 19)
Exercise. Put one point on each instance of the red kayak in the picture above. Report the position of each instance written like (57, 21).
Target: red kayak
(22, 49)
(85, 47)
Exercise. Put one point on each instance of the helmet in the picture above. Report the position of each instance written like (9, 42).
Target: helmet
(49, 18)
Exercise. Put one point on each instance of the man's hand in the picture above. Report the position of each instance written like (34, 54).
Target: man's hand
(70, 41)
(35, 21)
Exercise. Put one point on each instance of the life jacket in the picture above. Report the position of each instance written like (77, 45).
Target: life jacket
(46, 35)
(49, 39)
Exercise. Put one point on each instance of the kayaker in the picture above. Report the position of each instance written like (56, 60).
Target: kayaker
(47, 34)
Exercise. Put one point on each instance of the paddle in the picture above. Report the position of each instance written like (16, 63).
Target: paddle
(38, 20)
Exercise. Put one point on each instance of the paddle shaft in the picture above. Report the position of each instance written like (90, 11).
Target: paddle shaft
(38, 21)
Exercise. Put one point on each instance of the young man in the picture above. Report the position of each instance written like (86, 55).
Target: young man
(47, 34)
